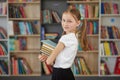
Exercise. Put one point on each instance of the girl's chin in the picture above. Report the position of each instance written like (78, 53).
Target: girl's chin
(65, 30)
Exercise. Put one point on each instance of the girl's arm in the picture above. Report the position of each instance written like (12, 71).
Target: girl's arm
(60, 46)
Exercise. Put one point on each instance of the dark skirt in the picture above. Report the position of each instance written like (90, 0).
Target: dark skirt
(62, 74)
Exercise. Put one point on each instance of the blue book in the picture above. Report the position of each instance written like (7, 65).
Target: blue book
(49, 42)
(42, 33)
(4, 66)
(22, 28)
(95, 27)
(110, 32)
(102, 8)
(79, 47)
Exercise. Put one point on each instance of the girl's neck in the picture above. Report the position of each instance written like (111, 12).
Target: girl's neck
(70, 32)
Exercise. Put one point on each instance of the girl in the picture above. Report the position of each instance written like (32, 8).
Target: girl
(64, 53)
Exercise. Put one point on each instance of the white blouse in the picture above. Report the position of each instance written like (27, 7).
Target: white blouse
(66, 57)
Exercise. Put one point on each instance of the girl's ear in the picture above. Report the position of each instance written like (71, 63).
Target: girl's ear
(79, 22)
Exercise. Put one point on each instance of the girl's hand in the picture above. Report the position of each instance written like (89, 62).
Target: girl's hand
(42, 57)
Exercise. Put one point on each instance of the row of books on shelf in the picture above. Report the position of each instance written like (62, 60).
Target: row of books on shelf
(18, 43)
(3, 48)
(92, 27)
(3, 8)
(3, 33)
(109, 48)
(110, 32)
(51, 35)
(87, 10)
(82, 0)
(49, 16)
(24, 11)
(48, 35)
(19, 65)
(80, 67)
(24, 27)
(23, 0)
(3, 67)
(107, 69)
(109, 8)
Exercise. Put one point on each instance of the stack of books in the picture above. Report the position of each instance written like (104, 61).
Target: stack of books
(47, 46)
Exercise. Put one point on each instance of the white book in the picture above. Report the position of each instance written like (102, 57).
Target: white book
(11, 30)
(102, 52)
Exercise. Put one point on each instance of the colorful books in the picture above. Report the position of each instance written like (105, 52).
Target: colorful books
(47, 46)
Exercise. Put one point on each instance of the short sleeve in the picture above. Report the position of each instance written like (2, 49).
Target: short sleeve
(67, 41)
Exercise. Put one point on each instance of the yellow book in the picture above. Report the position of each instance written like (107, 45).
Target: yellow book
(107, 49)
(20, 0)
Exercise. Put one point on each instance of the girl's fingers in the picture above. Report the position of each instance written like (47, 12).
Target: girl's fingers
(42, 57)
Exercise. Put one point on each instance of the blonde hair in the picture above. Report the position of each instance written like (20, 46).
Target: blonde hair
(81, 32)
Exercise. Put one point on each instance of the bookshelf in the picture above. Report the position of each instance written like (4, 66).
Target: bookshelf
(110, 41)
(4, 56)
(24, 37)
(51, 26)
(90, 16)
(58, 7)
(95, 58)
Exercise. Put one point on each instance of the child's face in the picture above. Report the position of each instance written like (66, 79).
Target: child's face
(69, 23)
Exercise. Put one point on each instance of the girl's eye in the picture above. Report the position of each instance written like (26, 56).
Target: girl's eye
(69, 21)
(63, 20)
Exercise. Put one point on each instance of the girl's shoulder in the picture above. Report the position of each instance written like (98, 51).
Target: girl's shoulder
(69, 37)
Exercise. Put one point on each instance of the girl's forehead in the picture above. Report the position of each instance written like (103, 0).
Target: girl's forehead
(69, 15)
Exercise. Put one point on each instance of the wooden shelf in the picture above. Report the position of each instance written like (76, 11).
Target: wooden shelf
(3, 39)
(93, 35)
(110, 39)
(25, 51)
(24, 19)
(33, 74)
(3, 56)
(3, 16)
(93, 51)
(80, 75)
(83, 2)
(34, 35)
(91, 18)
(37, 2)
(111, 56)
(110, 15)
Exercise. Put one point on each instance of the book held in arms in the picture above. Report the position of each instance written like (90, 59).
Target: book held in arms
(46, 69)
(47, 46)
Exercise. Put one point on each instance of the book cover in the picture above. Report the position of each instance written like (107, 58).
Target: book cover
(117, 66)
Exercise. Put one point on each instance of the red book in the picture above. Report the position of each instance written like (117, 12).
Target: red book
(117, 66)
(49, 67)
(22, 12)
(1, 50)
